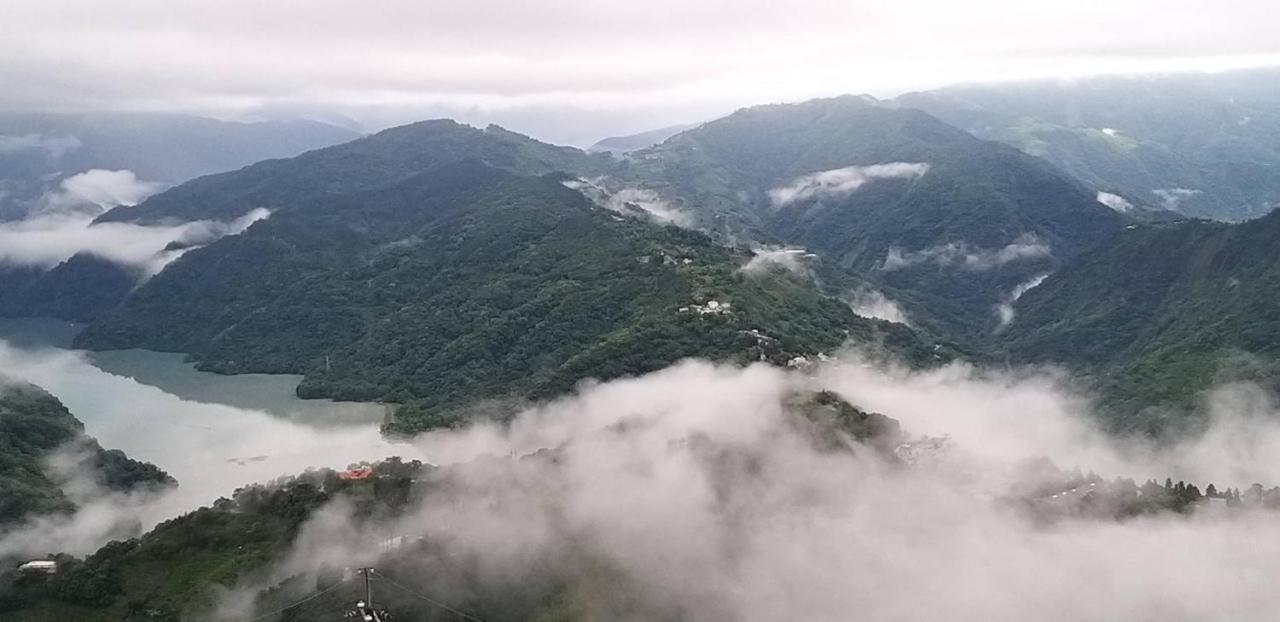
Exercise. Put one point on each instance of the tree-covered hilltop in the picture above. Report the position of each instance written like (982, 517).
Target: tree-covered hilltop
(1205, 145)
(367, 164)
(946, 224)
(76, 290)
(33, 426)
(1160, 314)
(470, 283)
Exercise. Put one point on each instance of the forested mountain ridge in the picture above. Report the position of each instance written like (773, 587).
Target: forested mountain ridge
(470, 283)
(1161, 313)
(369, 163)
(943, 222)
(42, 149)
(76, 290)
(33, 425)
(1205, 145)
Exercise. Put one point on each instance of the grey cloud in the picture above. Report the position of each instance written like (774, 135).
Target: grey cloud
(790, 259)
(964, 256)
(869, 302)
(631, 200)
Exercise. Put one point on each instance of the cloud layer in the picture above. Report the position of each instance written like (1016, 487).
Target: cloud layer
(869, 302)
(1114, 201)
(46, 240)
(690, 494)
(98, 190)
(580, 68)
(842, 181)
(964, 256)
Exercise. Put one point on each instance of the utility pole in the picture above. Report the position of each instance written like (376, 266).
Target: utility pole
(364, 609)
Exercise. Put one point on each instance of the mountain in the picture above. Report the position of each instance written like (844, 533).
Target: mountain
(37, 151)
(76, 290)
(1161, 313)
(1205, 145)
(33, 426)
(633, 142)
(946, 224)
(370, 163)
(460, 284)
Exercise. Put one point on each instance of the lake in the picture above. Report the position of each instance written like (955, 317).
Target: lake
(213, 433)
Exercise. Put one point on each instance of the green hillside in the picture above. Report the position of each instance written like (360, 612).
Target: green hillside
(963, 198)
(366, 164)
(1161, 314)
(33, 424)
(469, 283)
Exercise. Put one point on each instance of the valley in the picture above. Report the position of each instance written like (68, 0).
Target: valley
(351, 330)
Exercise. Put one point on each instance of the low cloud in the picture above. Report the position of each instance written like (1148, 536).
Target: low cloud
(632, 201)
(843, 181)
(53, 146)
(102, 514)
(790, 259)
(872, 303)
(63, 226)
(960, 254)
(690, 493)
(1171, 198)
(1004, 311)
(98, 190)
(46, 240)
(1115, 202)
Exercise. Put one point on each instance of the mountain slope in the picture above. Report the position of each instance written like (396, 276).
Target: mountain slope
(76, 290)
(632, 142)
(469, 283)
(369, 163)
(1205, 145)
(860, 183)
(33, 426)
(1162, 312)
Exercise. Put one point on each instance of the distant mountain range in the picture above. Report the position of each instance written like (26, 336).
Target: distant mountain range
(440, 265)
(1204, 145)
(39, 150)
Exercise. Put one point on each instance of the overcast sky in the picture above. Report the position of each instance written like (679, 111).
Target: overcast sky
(573, 70)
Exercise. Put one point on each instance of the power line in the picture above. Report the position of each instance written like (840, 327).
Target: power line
(307, 599)
(464, 615)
